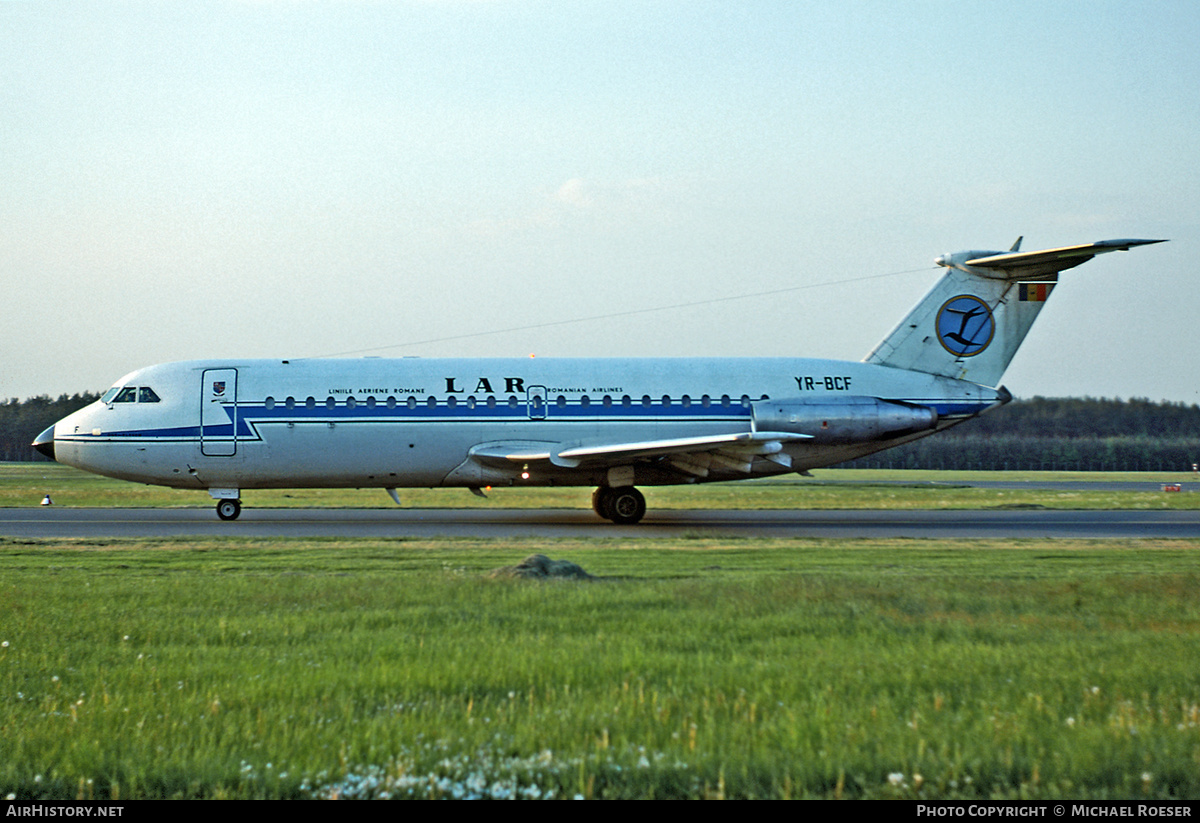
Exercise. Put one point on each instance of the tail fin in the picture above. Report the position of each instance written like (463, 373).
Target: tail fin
(971, 323)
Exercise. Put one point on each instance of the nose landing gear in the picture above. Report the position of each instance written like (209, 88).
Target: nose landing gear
(229, 509)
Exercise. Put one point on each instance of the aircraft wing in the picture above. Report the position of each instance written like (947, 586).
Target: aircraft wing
(1023, 264)
(734, 450)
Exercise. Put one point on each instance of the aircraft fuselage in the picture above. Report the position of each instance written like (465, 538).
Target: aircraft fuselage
(412, 422)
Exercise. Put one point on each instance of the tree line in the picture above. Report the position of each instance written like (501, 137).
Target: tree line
(1059, 434)
(23, 420)
(1043, 433)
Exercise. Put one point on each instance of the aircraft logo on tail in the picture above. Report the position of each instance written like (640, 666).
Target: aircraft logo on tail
(965, 325)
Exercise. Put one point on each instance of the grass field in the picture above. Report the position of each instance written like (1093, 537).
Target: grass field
(25, 484)
(689, 668)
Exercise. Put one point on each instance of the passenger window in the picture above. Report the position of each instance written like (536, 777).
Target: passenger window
(561, 402)
(411, 402)
(585, 401)
(626, 401)
(431, 402)
(330, 402)
(607, 401)
(452, 401)
(391, 402)
(491, 401)
(370, 401)
(310, 403)
(147, 395)
(351, 402)
(270, 403)
(666, 400)
(646, 400)
(705, 401)
(686, 400)
(725, 400)
(290, 403)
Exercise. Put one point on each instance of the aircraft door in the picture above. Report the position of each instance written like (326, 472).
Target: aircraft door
(535, 399)
(218, 412)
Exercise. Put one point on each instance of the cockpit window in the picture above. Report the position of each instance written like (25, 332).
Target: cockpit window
(130, 394)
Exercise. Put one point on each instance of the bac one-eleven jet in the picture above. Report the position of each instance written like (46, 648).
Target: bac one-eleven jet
(228, 425)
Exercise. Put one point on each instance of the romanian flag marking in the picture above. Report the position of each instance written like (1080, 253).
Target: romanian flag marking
(1035, 292)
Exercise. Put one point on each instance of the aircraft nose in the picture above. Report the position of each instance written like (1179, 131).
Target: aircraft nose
(44, 442)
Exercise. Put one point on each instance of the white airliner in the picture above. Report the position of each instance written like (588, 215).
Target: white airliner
(228, 425)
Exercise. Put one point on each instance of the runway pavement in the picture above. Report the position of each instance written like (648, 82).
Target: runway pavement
(501, 523)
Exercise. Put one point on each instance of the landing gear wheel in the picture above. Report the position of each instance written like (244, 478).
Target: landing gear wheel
(602, 502)
(229, 509)
(627, 505)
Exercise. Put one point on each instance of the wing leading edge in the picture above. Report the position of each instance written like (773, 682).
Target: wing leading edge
(740, 447)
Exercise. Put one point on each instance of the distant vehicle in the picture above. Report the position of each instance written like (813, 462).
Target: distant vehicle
(612, 423)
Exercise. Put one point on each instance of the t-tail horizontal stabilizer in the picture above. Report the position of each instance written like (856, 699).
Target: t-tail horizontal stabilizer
(972, 321)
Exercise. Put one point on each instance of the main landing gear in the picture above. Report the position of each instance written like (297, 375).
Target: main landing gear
(624, 505)
(229, 509)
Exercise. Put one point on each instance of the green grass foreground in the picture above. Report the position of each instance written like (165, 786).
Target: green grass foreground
(25, 484)
(690, 668)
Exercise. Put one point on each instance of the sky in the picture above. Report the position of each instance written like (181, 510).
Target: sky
(571, 178)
